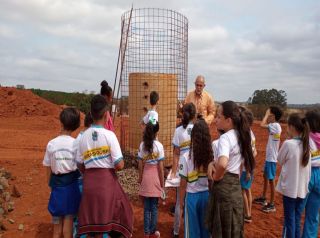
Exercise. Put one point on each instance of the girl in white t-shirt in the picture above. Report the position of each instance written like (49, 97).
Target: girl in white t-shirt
(63, 175)
(311, 223)
(194, 190)
(105, 208)
(181, 145)
(234, 147)
(151, 176)
(294, 157)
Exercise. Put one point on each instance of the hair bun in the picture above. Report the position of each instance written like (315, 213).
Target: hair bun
(104, 83)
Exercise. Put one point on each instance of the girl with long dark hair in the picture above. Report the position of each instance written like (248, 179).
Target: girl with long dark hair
(294, 157)
(194, 190)
(234, 147)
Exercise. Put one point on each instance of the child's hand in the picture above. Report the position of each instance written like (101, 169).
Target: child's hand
(248, 176)
(211, 170)
(268, 112)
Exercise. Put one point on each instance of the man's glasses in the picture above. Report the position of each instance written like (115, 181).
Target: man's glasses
(199, 85)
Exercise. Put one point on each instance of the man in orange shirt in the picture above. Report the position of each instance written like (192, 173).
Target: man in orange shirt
(202, 100)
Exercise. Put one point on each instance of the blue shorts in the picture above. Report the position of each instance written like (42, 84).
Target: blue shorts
(64, 200)
(245, 184)
(270, 169)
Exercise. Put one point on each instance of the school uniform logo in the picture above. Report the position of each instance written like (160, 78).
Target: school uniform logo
(94, 136)
(189, 131)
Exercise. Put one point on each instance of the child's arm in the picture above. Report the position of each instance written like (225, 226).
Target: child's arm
(119, 165)
(283, 154)
(176, 153)
(264, 122)
(220, 167)
(211, 170)
(161, 174)
(48, 174)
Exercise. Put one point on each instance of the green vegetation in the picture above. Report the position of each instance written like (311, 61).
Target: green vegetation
(269, 97)
(78, 100)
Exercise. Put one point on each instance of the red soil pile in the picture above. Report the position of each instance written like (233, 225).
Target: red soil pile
(17, 103)
(28, 122)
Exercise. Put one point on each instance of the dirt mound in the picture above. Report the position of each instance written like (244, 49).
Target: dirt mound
(17, 103)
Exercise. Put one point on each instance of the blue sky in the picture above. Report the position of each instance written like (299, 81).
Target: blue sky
(239, 46)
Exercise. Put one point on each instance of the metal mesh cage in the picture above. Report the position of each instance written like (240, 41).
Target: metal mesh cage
(154, 57)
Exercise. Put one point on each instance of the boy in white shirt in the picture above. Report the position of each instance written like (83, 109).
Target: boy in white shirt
(63, 175)
(152, 113)
(270, 122)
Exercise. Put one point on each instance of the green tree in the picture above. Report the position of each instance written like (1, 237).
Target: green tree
(269, 97)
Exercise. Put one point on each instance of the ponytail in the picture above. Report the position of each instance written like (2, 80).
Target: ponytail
(149, 135)
(244, 136)
(200, 146)
(300, 124)
(240, 122)
(189, 112)
(305, 143)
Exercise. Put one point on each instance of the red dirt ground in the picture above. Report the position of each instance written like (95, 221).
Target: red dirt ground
(28, 122)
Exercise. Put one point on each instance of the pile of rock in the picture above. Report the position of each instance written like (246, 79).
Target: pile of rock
(128, 179)
(6, 202)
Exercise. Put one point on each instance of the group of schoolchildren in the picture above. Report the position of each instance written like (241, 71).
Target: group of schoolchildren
(214, 197)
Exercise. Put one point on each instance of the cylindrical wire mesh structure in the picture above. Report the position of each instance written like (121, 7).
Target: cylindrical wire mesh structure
(154, 57)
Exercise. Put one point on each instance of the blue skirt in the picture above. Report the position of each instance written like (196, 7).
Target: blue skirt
(65, 200)
(245, 184)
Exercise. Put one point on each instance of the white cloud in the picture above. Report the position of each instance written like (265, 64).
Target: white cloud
(239, 46)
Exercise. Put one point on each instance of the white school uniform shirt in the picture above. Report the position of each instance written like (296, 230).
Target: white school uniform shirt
(60, 155)
(273, 142)
(76, 146)
(294, 177)
(228, 146)
(150, 114)
(214, 146)
(315, 154)
(196, 181)
(253, 147)
(99, 148)
(156, 156)
(182, 138)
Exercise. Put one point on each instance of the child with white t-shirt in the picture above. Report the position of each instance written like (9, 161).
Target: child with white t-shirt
(247, 178)
(181, 145)
(63, 175)
(270, 122)
(234, 147)
(105, 208)
(311, 222)
(294, 157)
(194, 190)
(152, 113)
(151, 176)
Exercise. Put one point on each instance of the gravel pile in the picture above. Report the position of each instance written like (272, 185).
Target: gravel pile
(128, 179)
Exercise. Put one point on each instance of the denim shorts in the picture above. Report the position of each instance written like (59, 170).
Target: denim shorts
(245, 184)
(270, 169)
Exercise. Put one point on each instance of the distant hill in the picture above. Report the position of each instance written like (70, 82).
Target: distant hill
(304, 106)
(78, 100)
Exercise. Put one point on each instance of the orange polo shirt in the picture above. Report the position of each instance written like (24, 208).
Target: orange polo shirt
(204, 104)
